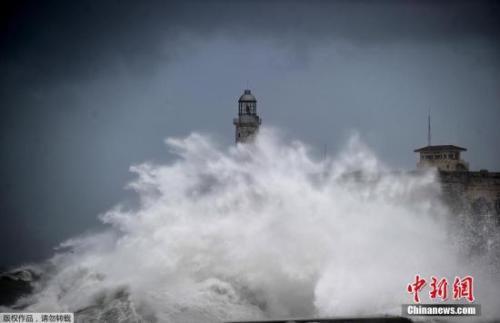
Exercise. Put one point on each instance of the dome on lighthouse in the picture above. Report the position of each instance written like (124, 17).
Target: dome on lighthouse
(247, 96)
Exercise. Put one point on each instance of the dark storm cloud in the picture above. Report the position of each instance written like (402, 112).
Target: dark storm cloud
(88, 88)
(59, 40)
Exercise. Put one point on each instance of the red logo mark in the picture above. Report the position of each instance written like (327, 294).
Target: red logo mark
(439, 288)
(463, 288)
(416, 287)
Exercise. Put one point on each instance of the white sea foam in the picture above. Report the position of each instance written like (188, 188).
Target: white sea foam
(257, 231)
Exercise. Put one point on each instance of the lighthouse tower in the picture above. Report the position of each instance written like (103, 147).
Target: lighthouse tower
(248, 122)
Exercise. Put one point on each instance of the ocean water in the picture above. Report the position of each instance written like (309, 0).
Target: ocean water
(264, 230)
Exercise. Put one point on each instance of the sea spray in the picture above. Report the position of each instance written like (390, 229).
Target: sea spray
(254, 231)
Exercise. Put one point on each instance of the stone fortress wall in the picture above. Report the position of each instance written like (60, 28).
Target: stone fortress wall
(475, 192)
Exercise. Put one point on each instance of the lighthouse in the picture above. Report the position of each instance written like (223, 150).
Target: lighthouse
(248, 122)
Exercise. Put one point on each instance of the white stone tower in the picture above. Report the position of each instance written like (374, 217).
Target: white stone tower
(248, 122)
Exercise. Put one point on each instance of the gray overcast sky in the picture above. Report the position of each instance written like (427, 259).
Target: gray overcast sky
(88, 88)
